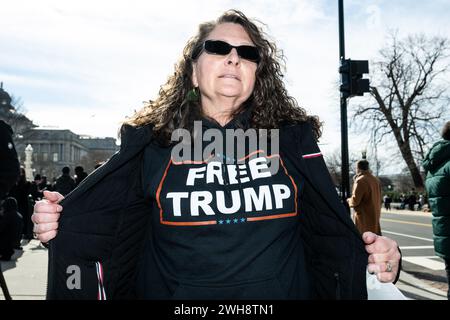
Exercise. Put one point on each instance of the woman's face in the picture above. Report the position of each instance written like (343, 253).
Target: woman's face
(225, 76)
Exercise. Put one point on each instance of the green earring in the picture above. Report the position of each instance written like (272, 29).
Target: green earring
(193, 95)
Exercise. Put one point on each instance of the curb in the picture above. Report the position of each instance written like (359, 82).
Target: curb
(415, 289)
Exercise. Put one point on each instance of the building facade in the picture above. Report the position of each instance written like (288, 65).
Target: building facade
(54, 149)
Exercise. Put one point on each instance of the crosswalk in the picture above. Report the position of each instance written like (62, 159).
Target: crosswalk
(423, 276)
(408, 236)
(429, 262)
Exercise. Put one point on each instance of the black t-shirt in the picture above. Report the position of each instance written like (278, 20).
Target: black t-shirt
(224, 227)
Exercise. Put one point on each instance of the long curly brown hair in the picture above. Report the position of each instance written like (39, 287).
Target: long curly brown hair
(271, 105)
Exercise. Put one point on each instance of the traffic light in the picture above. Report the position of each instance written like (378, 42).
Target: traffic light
(352, 83)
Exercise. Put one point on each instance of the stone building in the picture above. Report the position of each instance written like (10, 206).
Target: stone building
(54, 149)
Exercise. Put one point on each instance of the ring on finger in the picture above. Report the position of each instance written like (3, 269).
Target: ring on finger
(388, 267)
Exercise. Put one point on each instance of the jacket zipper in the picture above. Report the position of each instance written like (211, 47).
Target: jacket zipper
(50, 269)
(338, 286)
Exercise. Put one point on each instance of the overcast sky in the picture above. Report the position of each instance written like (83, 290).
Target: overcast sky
(85, 65)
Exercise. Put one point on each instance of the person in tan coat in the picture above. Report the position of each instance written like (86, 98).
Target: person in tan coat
(366, 199)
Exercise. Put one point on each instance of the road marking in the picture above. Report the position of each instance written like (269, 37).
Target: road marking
(426, 262)
(407, 222)
(416, 247)
(407, 235)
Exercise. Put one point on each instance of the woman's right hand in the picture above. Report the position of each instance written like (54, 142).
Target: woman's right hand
(46, 215)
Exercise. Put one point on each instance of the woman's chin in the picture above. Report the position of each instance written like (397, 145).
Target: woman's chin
(231, 92)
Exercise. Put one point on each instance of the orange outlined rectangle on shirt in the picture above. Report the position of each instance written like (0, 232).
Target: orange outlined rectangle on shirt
(213, 222)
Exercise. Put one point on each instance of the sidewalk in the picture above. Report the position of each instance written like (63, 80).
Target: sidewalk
(26, 277)
(416, 289)
(406, 211)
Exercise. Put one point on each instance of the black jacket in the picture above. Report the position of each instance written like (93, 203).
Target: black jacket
(9, 164)
(106, 220)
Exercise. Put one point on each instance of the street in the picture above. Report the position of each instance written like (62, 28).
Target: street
(413, 232)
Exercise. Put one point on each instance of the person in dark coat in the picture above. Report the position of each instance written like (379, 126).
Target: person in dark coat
(10, 228)
(437, 183)
(9, 173)
(21, 192)
(80, 175)
(45, 185)
(412, 200)
(9, 163)
(65, 183)
(36, 193)
(145, 225)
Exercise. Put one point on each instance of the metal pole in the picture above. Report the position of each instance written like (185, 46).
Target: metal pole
(345, 184)
(4, 286)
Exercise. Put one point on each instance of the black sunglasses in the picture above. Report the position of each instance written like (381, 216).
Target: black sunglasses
(222, 48)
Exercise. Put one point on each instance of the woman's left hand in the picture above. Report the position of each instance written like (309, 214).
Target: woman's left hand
(384, 256)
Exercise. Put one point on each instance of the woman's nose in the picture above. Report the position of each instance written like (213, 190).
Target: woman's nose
(233, 57)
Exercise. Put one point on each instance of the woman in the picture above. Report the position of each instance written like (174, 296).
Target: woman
(145, 225)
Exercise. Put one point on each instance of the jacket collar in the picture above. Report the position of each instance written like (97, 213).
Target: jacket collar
(135, 137)
(438, 154)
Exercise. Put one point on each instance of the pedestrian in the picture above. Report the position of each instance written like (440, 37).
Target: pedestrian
(412, 200)
(80, 175)
(11, 223)
(36, 192)
(9, 174)
(421, 202)
(366, 199)
(387, 202)
(152, 224)
(45, 185)
(64, 183)
(402, 201)
(9, 164)
(437, 183)
(21, 192)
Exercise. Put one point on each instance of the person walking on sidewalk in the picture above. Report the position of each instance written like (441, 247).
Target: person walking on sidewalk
(412, 200)
(10, 228)
(437, 183)
(387, 202)
(9, 173)
(366, 199)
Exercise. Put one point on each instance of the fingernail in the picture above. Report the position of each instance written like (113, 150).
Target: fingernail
(59, 208)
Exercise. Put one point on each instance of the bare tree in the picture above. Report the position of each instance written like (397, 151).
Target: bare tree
(15, 117)
(333, 161)
(409, 98)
